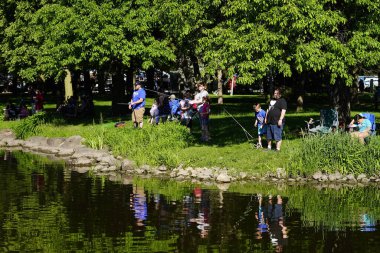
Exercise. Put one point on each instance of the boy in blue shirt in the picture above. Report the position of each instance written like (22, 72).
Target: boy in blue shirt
(364, 127)
(259, 123)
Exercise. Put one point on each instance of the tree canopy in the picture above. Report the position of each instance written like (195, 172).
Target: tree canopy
(254, 38)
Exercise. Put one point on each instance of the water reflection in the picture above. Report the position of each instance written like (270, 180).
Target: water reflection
(45, 207)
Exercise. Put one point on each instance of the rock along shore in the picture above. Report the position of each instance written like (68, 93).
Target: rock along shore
(82, 159)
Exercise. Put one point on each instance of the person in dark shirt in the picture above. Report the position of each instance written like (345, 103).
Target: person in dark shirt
(275, 120)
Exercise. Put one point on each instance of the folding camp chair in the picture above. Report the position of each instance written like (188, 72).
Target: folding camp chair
(328, 122)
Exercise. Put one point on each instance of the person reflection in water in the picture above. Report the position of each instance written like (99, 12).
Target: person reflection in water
(38, 182)
(203, 202)
(367, 223)
(277, 229)
(260, 216)
(139, 206)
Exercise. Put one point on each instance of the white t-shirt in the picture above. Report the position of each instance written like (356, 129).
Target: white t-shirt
(200, 95)
(199, 98)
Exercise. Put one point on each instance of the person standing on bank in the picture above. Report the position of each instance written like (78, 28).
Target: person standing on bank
(275, 120)
(198, 99)
(137, 105)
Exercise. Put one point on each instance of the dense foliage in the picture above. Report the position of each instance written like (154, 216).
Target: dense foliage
(250, 37)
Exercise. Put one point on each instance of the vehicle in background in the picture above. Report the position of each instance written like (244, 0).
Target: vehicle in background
(366, 81)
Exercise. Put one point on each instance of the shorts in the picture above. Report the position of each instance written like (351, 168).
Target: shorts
(274, 132)
(261, 131)
(138, 115)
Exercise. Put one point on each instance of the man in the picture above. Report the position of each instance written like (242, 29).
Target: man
(275, 120)
(137, 105)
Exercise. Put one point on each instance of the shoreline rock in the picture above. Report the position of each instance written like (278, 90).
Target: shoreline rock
(82, 159)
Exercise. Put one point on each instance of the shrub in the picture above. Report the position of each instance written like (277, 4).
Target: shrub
(335, 152)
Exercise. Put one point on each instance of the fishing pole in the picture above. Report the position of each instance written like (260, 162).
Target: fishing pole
(247, 134)
(160, 93)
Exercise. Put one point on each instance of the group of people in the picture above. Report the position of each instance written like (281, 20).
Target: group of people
(271, 122)
(70, 108)
(12, 111)
(166, 106)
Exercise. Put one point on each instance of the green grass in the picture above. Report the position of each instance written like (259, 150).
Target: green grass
(171, 145)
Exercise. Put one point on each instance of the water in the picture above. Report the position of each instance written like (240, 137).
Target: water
(45, 207)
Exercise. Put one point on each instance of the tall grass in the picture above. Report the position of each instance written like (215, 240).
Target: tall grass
(29, 126)
(155, 145)
(335, 152)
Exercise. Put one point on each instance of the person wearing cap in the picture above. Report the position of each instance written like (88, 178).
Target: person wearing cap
(363, 125)
(137, 105)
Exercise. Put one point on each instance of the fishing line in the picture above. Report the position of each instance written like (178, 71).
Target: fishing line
(247, 134)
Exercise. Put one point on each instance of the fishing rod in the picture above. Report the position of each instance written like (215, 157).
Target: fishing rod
(247, 134)
(159, 93)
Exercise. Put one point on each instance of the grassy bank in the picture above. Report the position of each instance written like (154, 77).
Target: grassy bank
(172, 145)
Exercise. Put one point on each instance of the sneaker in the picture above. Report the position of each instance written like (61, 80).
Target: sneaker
(258, 145)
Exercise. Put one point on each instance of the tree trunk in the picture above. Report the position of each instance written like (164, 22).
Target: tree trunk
(150, 79)
(118, 90)
(101, 77)
(87, 82)
(341, 97)
(355, 91)
(299, 90)
(68, 85)
(14, 89)
(131, 79)
(194, 60)
(75, 78)
(220, 87)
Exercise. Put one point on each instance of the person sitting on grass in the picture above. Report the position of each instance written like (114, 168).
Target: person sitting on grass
(363, 125)
(259, 123)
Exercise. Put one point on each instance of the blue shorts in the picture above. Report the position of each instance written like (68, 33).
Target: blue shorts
(261, 131)
(274, 132)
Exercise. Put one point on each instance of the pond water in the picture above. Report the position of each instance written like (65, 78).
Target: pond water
(46, 207)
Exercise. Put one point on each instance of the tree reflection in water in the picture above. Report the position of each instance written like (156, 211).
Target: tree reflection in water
(45, 207)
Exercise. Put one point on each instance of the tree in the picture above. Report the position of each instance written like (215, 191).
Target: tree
(335, 38)
(47, 38)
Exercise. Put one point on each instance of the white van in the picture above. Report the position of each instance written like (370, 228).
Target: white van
(367, 82)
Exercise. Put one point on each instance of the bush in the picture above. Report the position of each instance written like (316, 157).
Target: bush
(335, 152)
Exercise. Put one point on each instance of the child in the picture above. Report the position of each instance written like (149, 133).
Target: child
(204, 115)
(186, 111)
(259, 123)
(153, 113)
